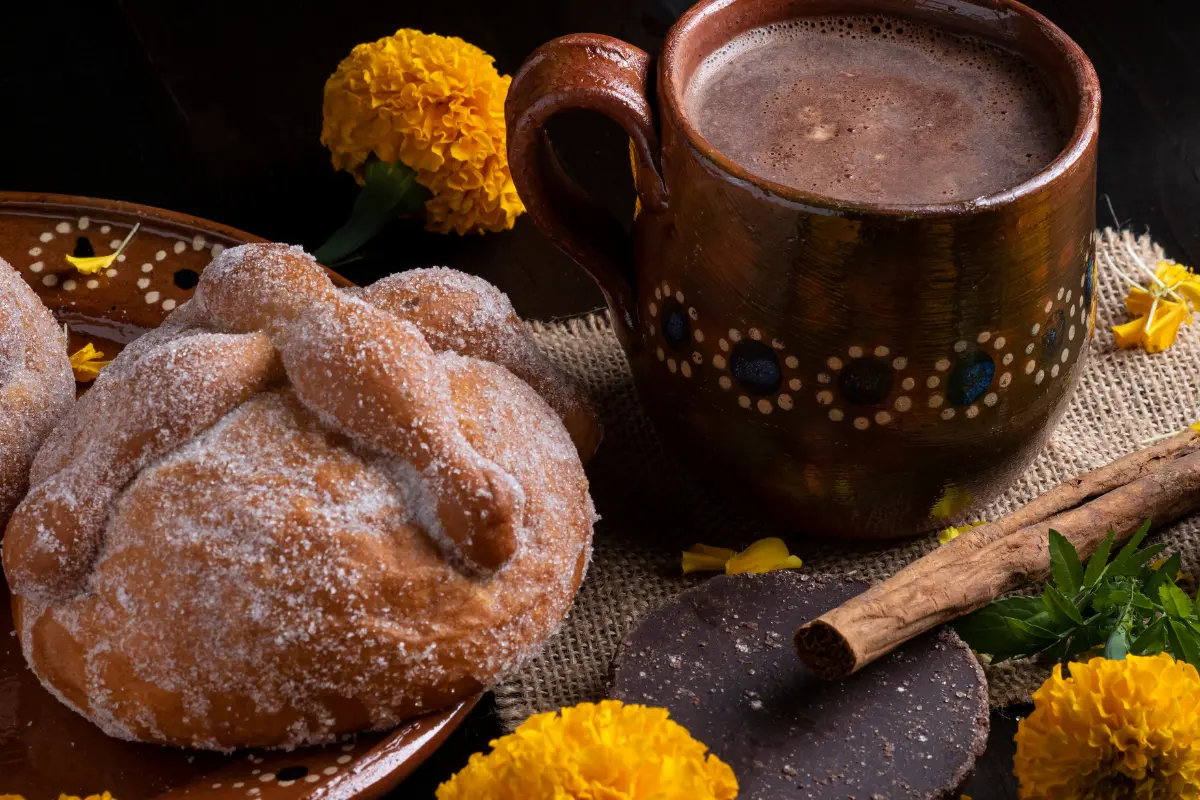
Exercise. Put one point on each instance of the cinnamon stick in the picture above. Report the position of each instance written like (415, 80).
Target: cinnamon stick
(1160, 483)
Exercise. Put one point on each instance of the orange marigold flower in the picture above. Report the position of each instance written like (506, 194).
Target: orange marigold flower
(595, 751)
(435, 104)
(1113, 730)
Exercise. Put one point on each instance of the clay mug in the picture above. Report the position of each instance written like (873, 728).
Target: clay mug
(859, 370)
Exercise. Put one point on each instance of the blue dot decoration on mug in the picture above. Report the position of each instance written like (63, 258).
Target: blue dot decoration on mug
(869, 385)
(755, 367)
(1089, 293)
(865, 381)
(970, 378)
(675, 327)
(1052, 335)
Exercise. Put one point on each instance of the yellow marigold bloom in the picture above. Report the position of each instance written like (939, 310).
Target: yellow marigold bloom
(595, 751)
(436, 104)
(762, 556)
(86, 364)
(1113, 730)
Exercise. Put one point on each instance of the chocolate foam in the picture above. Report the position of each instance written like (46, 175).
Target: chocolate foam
(876, 109)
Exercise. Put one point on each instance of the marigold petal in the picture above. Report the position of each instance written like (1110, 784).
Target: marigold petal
(723, 553)
(764, 555)
(1138, 301)
(90, 265)
(87, 362)
(951, 533)
(1129, 334)
(701, 562)
(1162, 330)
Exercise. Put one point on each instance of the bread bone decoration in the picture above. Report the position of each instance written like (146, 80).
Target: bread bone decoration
(294, 512)
(36, 384)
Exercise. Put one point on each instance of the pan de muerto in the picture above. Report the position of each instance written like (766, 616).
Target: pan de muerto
(295, 512)
(36, 384)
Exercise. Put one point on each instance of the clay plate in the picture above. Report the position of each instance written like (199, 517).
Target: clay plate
(45, 748)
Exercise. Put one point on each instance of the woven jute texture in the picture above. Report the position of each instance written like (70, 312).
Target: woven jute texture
(650, 510)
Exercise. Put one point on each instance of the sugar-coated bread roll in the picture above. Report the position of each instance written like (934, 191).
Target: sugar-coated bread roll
(36, 384)
(294, 512)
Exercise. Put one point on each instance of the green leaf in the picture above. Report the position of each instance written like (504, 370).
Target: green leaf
(388, 190)
(1065, 566)
(1098, 561)
(1152, 640)
(1117, 646)
(1078, 639)
(1143, 602)
(1107, 599)
(1002, 637)
(1062, 608)
(1184, 643)
(1017, 607)
(1163, 575)
(1138, 536)
(1175, 601)
(1131, 563)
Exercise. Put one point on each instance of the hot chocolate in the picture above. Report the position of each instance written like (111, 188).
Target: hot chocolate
(876, 109)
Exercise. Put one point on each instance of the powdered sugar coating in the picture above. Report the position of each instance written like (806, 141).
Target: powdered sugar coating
(36, 384)
(466, 314)
(284, 575)
(169, 395)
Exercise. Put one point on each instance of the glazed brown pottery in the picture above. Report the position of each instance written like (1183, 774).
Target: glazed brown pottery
(860, 370)
(45, 747)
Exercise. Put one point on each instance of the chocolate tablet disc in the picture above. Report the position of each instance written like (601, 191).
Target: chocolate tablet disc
(720, 658)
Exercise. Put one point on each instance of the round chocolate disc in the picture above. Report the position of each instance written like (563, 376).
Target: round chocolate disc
(719, 657)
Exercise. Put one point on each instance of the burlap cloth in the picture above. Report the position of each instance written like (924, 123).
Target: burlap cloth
(650, 510)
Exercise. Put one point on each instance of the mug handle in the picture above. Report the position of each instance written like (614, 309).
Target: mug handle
(597, 73)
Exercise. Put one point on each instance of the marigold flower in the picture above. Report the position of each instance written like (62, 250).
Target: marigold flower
(595, 751)
(764, 555)
(1113, 730)
(435, 104)
(86, 364)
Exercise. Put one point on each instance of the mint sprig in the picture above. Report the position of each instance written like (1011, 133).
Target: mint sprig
(1115, 607)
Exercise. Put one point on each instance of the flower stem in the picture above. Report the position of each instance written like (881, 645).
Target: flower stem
(388, 190)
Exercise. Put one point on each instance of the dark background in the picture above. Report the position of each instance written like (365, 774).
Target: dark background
(213, 107)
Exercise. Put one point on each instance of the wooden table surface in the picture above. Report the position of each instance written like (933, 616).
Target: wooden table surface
(213, 107)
